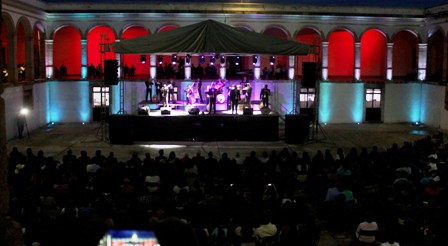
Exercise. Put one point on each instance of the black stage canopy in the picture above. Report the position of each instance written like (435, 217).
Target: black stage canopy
(210, 37)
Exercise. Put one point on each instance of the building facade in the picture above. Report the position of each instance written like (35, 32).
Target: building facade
(370, 64)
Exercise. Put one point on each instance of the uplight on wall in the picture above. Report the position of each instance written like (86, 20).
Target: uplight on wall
(174, 59)
(237, 60)
(143, 59)
(272, 60)
(160, 59)
(254, 59)
(212, 60)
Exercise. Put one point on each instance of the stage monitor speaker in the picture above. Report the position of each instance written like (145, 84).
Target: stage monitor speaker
(193, 111)
(248, 111)
(309, 74)
(165, 110)
(297, 127)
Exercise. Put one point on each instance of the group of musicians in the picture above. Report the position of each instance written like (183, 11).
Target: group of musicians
(166, 93)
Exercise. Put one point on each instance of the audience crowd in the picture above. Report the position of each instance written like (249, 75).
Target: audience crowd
(395, 196)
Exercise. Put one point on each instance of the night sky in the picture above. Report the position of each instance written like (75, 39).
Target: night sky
(373, 3)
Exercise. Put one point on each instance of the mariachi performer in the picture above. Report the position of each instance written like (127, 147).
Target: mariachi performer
(265, 93)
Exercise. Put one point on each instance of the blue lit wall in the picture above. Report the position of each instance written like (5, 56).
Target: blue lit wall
(403, 102)
(341, 102)
(68, 101)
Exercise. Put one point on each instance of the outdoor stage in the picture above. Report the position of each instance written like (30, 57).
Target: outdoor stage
(180, 125)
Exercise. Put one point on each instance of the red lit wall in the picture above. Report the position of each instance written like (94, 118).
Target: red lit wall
(67, 50)
(20, 44)
(340, 54)
(404, 53)
(373, 54)
(4, 43)
(93, 45)
(141, 69)
(279, 60)
(310, 37)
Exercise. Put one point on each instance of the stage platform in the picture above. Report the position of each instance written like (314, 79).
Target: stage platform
(180, 125)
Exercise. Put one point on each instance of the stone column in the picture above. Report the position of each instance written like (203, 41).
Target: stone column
(357, 70)
(257, 70)
(222, 67)
(422, 58)
(324, 60)
(49, 58)
(291, 69)
(29, 57)
(153, 66)
(84, 65)
(445, 59)
(187, 68)
(389, 61)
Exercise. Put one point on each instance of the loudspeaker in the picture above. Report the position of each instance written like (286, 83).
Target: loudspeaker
(309, 74)
(165, 110)
(297, 127)
(110, 72)
(248, 111)
(193, 111)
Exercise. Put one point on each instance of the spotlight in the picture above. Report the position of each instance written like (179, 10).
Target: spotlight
(212, 60)
(174, 59)
(202, 59)
(237, 61)
(160, 59)
(143, 59)
(254, 59)
(222, 59)
(272, 60)
(24, 111)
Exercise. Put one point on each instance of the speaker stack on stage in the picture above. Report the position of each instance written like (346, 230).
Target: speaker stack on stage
(309, 74)
(165, 110)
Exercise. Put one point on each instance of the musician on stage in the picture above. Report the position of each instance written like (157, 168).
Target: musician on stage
(211, 94)
(164, 93)
(247, 94)
(159, 91)
(265, 93)
(148, 85)
(190, 94)
(171, 96)
(235, 97)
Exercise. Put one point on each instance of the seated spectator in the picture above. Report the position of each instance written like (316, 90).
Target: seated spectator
(367, 231)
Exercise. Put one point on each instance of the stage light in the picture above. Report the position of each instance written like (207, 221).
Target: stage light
(174, 59)
(212, 60)
(24, 111)
(143, 59)
(237, 61)
(255, 59)
(272, 60)
(160, 59)
(222, 60)
(202, 59)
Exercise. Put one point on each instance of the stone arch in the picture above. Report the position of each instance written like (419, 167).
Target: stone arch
(24, 49)
(135, 65)
(167, 27)
(67, 51)
(99, 39)
(341, 50)
(313, 37)
(130, 26)
(39, 37)
(434, 65)
(373, 54)
(281, 62)
(405, 55)
(8, 56)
